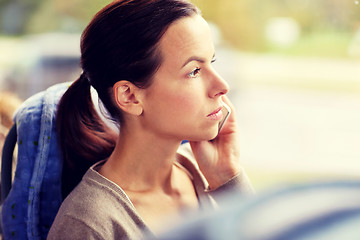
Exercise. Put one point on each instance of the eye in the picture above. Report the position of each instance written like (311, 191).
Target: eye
(213, 60)
(194, 73)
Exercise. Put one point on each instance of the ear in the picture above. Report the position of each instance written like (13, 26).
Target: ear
(126, 96)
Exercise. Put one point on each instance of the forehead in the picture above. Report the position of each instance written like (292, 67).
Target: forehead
(186, 37)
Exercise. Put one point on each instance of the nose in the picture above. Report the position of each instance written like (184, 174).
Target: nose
(218, 85)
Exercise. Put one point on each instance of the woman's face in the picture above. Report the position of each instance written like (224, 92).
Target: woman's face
(186, 91)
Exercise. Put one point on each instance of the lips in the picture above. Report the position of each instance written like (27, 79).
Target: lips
(216, 115)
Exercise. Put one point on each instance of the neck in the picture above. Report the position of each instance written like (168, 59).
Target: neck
(141, 161)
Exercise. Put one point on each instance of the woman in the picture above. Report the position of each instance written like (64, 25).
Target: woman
(150, 63)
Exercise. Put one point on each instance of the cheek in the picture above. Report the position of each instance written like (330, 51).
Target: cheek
(176, 99)
(183, 102)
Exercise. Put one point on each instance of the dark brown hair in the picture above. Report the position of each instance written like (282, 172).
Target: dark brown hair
(120, 43)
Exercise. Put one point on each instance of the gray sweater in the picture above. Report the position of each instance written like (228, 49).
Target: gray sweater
(99, 209)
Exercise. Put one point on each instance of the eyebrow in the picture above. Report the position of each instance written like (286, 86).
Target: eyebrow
(195, 58)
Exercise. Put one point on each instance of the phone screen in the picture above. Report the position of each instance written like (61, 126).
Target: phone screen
(226, 112)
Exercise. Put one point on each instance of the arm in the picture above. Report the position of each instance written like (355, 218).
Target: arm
(238, 185)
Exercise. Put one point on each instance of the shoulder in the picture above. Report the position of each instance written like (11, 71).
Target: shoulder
(95, 193)
(97, 207)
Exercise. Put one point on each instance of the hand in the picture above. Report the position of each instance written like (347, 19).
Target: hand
(219, 159)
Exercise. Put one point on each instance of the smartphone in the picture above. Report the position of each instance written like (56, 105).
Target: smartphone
(226, 112)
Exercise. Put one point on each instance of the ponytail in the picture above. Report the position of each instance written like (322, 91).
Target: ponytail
(83, 137)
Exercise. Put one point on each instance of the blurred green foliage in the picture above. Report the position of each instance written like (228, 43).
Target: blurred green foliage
(327, 26)
(242, 22)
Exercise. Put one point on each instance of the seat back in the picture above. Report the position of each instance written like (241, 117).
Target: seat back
(35, 195)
